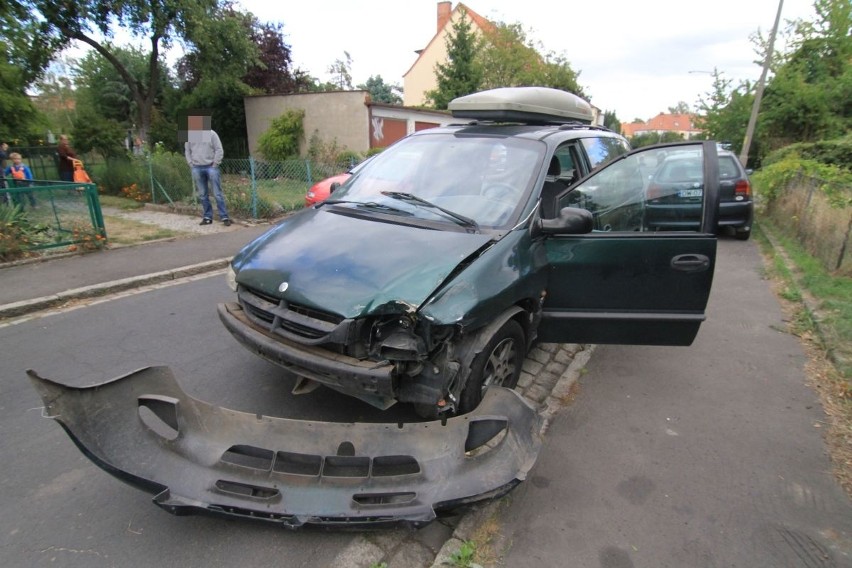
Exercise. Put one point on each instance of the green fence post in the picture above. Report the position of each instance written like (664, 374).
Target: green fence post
(308, 169)
(253, 189)
(95, 209)
(151, 179)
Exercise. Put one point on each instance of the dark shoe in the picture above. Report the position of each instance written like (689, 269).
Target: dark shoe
(206, 222)
(226, 222)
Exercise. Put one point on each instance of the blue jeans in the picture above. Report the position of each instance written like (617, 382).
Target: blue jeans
(204, 177)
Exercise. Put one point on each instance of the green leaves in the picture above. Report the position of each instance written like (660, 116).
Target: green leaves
(281, 140)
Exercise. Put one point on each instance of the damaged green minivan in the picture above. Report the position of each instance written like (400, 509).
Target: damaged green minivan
(454, 250)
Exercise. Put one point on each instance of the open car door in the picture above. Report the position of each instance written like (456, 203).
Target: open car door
(624, 282)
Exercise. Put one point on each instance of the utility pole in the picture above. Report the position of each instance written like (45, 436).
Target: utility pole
(755, 108)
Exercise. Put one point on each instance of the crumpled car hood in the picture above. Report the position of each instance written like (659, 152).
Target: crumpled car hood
(196, 458)
(352, 266)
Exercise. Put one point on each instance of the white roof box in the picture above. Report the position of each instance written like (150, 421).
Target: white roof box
(523, 104)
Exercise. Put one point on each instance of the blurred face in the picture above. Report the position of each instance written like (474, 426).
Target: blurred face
(195, 122)
(17, 160)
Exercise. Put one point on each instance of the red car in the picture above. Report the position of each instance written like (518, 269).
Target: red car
(322, 189)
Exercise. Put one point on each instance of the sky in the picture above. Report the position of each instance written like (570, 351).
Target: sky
(634, 58)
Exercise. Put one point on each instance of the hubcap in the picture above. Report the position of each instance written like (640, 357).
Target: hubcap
(501, 364)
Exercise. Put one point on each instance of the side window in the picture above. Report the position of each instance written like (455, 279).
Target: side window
(603, 149)
(656, 190)
(563, 172)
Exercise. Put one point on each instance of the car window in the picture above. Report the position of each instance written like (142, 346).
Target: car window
(603, 149)
(484, 178)
(727, 168)
(621, 196)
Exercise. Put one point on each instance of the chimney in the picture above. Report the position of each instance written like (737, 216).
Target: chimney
(445, 9)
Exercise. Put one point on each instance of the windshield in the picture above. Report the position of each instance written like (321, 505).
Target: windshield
(472, 181)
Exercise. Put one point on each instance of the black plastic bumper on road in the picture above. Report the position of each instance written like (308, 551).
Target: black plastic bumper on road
(197, 458)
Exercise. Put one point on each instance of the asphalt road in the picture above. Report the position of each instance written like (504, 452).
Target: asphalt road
(61, 510)
(704, 456)
(709, 455)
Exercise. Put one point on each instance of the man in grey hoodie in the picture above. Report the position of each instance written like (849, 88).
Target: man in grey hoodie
(204, 153)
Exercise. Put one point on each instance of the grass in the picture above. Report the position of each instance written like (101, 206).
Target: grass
(820, 307)
(831, 298)
(119, 202)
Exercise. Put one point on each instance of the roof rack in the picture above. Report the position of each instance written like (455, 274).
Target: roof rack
(528, 105)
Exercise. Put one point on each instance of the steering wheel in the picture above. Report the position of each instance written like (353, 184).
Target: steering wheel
(502, 192)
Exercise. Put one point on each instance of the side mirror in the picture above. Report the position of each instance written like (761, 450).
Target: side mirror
(334, 185)
(571, 221)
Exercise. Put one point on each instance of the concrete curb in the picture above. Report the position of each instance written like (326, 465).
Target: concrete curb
(555, 401)
(25, 307)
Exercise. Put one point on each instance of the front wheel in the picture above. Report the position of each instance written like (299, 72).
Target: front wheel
(499, 364)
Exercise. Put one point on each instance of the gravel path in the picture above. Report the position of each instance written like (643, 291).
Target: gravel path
(172, 220)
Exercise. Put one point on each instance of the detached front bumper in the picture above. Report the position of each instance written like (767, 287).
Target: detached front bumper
(197, 458)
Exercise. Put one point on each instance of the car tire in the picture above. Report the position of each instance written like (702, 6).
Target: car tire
(499, 364)
(742, 235)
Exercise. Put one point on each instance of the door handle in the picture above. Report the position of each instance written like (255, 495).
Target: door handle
(690, 262)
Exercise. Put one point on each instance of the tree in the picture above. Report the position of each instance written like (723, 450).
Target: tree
(381, 92)
(680, 108)
(340, 71)
(27, 43)
(19, 118)
(611, 121)
(92, 131)
(274, 72)
(461, 75)
(160, 22)
(810, 96)
(723, 112)
(650, 138)
(57, 98)
(507, 57)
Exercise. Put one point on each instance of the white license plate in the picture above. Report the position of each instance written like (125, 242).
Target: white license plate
(689, 193)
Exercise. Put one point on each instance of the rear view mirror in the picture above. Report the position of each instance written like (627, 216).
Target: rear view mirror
(333, 186)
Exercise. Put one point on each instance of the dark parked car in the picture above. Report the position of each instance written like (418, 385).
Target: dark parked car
(675, 195)
(446, 257)
(458, 247)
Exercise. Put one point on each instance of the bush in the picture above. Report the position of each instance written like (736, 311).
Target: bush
(834, 181)
(837, 152)
(239, 203)
(281, 140)
(172, 177)
(16, 233)
(116, 173)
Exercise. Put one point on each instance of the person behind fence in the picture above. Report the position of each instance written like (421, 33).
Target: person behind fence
(19, 175)
(66, 157)
(204, 153)
(4, 196)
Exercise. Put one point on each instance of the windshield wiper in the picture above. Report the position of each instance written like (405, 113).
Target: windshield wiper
(366, 205)
(460, 219)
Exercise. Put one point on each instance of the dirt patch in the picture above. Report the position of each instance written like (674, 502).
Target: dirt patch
(125, 232)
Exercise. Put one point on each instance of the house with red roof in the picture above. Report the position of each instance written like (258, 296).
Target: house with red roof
(682, 124)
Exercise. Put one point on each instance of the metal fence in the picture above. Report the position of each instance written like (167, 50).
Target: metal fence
(253, 188)
(823, 227)
(47, 214)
